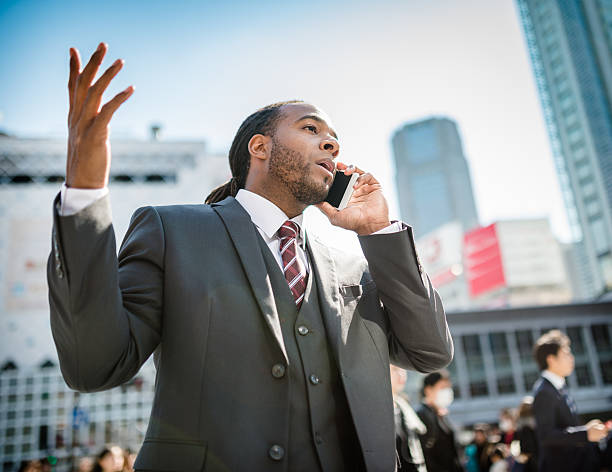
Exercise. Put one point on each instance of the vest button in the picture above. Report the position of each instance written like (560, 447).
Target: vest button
(314, 379)
(303, 330)
(278, 371)
(276, 452)
(318, 438)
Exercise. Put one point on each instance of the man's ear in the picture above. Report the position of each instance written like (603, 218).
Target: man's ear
(259, 146)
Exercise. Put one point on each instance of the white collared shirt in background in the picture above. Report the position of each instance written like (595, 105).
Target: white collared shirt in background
(557, 381)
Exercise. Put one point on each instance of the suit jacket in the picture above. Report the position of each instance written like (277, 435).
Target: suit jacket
(190, 284)
(562, 442)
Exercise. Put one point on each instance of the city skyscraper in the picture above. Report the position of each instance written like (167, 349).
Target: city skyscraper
(432, 176)
(570, 44)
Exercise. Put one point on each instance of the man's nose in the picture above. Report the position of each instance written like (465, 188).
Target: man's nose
(331, 145)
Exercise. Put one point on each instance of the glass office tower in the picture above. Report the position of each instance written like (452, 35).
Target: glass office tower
(432, 176)
(570, 44)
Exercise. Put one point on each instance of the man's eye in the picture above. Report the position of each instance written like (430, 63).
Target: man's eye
(311, 128)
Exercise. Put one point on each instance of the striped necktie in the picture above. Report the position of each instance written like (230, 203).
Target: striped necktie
(293, 267)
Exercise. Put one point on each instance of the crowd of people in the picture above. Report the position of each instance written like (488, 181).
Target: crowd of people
(543, 433)
(110, 458)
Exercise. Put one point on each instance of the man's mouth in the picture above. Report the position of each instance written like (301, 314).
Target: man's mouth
(328, 165)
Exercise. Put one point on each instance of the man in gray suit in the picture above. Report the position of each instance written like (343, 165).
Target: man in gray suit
(272, 350)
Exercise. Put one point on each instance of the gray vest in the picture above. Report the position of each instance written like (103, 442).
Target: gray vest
(321, 431)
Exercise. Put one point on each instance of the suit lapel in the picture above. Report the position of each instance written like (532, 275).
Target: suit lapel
(326, 278)
(244, 236)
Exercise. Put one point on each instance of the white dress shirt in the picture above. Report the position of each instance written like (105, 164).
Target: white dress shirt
(268, 218)
(557, 381)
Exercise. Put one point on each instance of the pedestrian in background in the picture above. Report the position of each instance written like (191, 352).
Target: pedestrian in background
(477, 452)
(507, 426)
(438, 442)
(498, 457)
(565, 445)
(408, 426)
(109, 459)
(526, 436)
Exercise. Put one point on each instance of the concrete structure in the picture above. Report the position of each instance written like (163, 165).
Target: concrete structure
(41, 417)
(432, 176)
(31, 170)
(532, 267)
(494, 366)
(37, 410)
(570, 44)
(441, 253)
(508, 263)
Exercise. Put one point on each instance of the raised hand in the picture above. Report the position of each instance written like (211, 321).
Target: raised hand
(89, 154)
(367, 210)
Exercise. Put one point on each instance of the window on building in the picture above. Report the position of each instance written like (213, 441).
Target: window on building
(452, 369)
(566, 100)
(524, 342)
(422, 143)
(588, 188)
(475, 365)
(600, 238)
(582, 369)
(503, 365)
(583, 170)
(593, 208)
(603, 346)
(575, 135)
(43, 437)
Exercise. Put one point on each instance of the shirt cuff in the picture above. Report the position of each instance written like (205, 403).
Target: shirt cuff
(74, 200)
(394, 227)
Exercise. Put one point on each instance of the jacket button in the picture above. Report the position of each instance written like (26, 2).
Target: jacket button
(303, 330)
(278, 371)
(59, 271)
(314, 379)
(276, 452)
(318, 438)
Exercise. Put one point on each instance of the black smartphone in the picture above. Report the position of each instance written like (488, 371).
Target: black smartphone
(341, 190)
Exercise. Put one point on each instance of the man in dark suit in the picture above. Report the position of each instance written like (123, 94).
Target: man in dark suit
(564, 444)
(272, 350)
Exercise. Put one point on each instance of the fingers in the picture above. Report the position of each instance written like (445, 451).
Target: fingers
(94, 95)
(107, 111)
(84, 79)
(75, 67)
(349, 169)
(327, 209)
(365, 179)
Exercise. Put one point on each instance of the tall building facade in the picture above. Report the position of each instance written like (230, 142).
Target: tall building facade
(570, 44)
(39, 415)
(432, 176)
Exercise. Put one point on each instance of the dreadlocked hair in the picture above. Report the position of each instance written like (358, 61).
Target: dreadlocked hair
(263, 121)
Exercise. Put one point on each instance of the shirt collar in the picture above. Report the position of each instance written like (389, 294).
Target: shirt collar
(557, 381)
(266, 215)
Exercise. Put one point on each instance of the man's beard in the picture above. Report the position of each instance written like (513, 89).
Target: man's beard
(291, 168)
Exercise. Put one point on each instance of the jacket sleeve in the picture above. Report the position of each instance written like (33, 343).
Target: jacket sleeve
(549, 433)
(419, 337)
(105, 312)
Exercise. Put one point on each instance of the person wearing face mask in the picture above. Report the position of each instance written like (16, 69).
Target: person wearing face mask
(506, 426)
(438, 442)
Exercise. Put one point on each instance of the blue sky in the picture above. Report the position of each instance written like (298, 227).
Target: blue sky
(199, 67)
